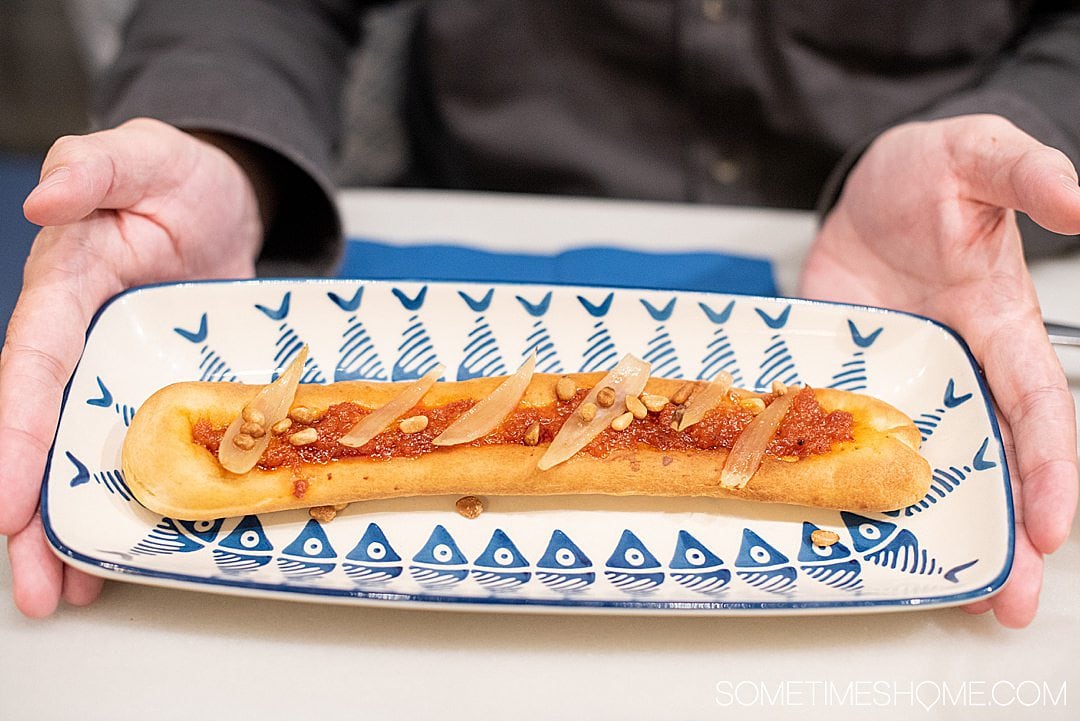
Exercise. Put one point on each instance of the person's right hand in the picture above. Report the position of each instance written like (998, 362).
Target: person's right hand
(140, 203)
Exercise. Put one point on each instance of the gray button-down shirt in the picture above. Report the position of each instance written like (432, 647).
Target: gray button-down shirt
(756, 102)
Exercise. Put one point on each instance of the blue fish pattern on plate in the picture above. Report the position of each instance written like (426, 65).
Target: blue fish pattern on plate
(778, 363)
(245, 549)
(601, 353)
(539, 340)
(212, 366)
(440, 562)
(944, 481)
(105, 400)
(720, 355)
(170, 536)
(660, 352)
(373, 559)
(111, 480)
(763, 567)
(698, 568)
(928, 421)
(501, 566)
(888, 545)
(399, 331)
(852, 375)
(481, 355)
(564, 566)
(632, 567)
(358, 358)
(309, 555)
(832, 565)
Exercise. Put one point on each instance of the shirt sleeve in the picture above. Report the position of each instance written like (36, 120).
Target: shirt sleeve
(269, 72)
(1034, 86)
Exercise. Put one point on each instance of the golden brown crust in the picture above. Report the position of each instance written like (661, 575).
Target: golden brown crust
(880, 469)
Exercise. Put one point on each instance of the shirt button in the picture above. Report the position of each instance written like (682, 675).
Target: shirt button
(713, 10)
(725, 171)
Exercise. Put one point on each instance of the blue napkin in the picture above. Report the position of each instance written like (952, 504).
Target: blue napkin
(594, 265)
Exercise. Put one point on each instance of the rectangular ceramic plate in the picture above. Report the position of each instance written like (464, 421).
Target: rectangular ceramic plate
(679, 555)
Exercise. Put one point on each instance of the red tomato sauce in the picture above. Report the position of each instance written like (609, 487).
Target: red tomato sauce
(806, 430)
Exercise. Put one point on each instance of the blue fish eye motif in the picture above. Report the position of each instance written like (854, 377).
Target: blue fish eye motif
(632, 554)
(373, 560)
(811, 552)
(690, 553)
(756, 552)
(830, 565)
(768, 569)
(442, 561)
(566, 558)
(562, 553)
(166, 538)
(247, 536)
(205, 531)
(501, 552)
(697, 568)
(311, 543)
(440, 549)
(629, 564)
(694, 557)
(866, 533)
(373, 546)
(499, 566)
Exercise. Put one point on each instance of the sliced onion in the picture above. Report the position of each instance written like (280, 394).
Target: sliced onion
(745, 457)
(482, 418)
(375, 422)
(628, 378)
(273, 402)
(705, 399)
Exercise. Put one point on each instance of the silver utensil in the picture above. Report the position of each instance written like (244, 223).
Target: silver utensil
(1061, 334)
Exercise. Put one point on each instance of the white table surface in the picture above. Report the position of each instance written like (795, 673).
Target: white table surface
(148, 652)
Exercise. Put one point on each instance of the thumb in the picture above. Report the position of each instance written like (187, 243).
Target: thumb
(110, 169)
(998, 164)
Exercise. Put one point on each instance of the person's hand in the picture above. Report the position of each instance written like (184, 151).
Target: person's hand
(140, 203)
(925, 223)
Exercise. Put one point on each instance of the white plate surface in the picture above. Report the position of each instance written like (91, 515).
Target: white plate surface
(559, 553)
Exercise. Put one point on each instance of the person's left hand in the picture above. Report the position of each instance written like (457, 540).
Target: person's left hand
(926, 224)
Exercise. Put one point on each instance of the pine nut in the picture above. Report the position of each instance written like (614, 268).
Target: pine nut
(532, 435)
(587, 411)
(469, 506)
(621, 423)
(253, 415)
(565, 389)
(281, 426)
(243, 441)
(682, 395)
(821, 537)
(636, 407)
(323, 514)
(754, 405)
(253, 429)
(303, 414)
(653, 403)
(414, 424)
(304, 437)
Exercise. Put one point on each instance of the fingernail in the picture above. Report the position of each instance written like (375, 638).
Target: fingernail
(54, 177)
